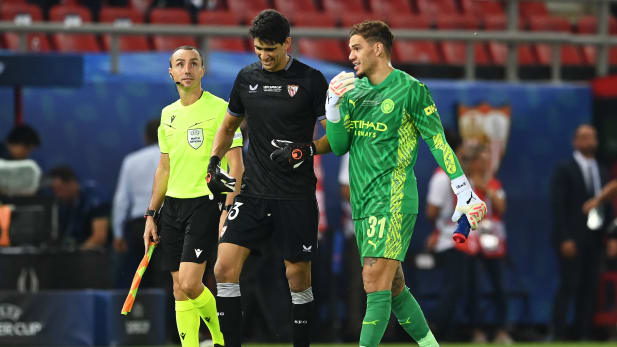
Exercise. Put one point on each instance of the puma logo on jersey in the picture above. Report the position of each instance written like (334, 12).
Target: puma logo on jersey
(405, 322)
(370, 242)
(197, 252)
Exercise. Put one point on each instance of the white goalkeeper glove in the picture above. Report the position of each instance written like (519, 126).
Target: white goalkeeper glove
(339, 85)
(467, 202)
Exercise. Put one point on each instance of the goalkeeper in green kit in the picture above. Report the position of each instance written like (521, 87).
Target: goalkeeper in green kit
(379, 117)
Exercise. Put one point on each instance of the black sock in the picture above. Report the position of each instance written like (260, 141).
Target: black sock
(230, 318)
(301, 314)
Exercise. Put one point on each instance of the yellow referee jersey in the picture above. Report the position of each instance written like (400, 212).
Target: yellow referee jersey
(186, 133)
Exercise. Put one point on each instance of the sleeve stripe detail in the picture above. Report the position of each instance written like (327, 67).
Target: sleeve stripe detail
(234, 113)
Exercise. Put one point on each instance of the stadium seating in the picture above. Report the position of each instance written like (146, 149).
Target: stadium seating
(336, 8)
(123, 16)
(326, 49)
(588, 25)
(73, 16)
(435, 8)
(235, 44)
(247, 9)
(413, 52)
(454, 52)
(498, 51)
(385, 8)
(292, 8)
(349, 19)
(527, 9)
(23, 14)
(570, 54)
(170, 16)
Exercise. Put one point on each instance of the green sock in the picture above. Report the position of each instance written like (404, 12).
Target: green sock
(378, 306)
(205, 304)
(410, 317)
(187, 320)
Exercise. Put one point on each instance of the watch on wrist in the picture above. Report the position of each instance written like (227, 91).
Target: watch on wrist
(150, 213)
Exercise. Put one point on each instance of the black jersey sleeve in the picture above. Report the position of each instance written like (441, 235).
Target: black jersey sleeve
(319, 90)
(236, 107)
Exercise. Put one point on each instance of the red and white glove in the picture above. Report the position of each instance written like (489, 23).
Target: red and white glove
(467, 202)
(339, 85)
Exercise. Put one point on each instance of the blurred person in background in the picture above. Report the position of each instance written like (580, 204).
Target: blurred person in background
(20, 142)
(577, 236)
(132, 194)
(487, 243)
(83, 214)
(355, 295)
(453, 261)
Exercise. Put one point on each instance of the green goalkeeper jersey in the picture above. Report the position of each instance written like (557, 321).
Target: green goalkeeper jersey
(380, 128)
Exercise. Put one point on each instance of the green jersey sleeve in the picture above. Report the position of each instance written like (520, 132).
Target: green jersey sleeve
(426, 120)
(162, 140)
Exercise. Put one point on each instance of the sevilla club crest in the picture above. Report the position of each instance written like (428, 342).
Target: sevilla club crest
(292, 89)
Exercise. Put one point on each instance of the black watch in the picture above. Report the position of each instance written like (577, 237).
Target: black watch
(150, 213)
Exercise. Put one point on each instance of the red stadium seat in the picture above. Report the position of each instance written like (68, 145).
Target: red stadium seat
(123, 16)
(436, 8)
(528, 9)
(23, 14)
(235, 44)
(588, 25)
(413, 52)
(454, 52)
(336, 8)
(291, 8)
(499, 51)
(246, 8)
(385, 8)
(349, 19)
(483, 7)
(570, 54)
(170, 16)
(73, 16)
(324, 49)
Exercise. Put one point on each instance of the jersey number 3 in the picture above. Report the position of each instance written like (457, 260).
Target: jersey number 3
(233, 212)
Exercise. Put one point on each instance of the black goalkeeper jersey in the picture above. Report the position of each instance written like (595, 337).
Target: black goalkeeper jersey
(283, 105)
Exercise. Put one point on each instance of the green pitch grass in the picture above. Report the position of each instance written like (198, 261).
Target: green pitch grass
(522, 344)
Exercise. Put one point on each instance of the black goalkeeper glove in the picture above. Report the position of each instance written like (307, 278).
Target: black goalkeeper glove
(218, 180)
(291, 155)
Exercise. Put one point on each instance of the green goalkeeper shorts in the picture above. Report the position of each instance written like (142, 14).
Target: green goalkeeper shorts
(384, 236)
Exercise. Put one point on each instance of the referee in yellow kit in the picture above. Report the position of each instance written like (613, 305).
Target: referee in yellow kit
(191, 215)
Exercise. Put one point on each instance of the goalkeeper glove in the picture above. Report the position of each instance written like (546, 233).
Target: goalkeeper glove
(467, 202)
(339, 85)
(218, 180)
(290, 154)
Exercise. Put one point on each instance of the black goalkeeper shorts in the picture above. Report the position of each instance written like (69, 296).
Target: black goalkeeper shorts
(188, 229)
(292, 225)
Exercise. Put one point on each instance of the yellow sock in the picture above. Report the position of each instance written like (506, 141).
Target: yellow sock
(187, 320)
(205, 304)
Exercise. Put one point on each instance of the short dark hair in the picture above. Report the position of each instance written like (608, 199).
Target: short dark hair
(63, 172)
(270, 26)
(23, 135)
(151, 130)
(374, 31)
(187, 48)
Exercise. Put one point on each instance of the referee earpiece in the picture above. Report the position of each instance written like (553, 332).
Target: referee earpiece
(172, 78)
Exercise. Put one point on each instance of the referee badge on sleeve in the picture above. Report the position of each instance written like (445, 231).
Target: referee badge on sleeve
(292, 89)
(195, 137)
